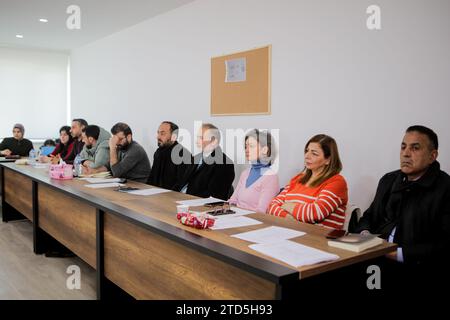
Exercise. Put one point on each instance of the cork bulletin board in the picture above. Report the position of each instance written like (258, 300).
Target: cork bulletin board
(241, 83)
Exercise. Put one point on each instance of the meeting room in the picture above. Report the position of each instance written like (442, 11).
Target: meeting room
(211, 150)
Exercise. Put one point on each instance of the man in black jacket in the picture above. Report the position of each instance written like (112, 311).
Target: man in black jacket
(412, 205)
(212, 173)
(171, 159)
(17, 144)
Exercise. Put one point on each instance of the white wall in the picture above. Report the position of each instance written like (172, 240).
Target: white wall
(33, 91)
(330, 75)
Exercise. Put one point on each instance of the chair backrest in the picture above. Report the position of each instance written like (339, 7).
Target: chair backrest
(230, 192)
(352, 216)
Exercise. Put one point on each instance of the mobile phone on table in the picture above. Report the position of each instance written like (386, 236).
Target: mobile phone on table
(220, 212)
(214, 204)
(126, 189)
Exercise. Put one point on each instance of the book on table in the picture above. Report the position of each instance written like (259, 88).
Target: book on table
(356, 242)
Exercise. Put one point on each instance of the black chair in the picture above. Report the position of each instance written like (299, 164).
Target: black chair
(230, 192)
(354, 219)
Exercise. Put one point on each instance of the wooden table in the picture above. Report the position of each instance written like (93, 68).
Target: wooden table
(137, 246)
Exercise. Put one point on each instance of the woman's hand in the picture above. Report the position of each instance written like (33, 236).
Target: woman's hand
(55, 159)
(44, 159)
(289, 207)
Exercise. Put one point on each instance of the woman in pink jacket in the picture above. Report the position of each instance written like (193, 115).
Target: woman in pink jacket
(259, 184)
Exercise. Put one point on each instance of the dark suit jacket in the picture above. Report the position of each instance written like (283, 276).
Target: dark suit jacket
(420, 211)
(169, 166)
(214, 177)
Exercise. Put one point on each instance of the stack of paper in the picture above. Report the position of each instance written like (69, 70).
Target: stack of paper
(241, 212)
(273, 242)
(269, 235)
(198, 202)
(103, 185)
(96, 175)
(101, 180)
(293, 253)
(229, 222)
(148, 192)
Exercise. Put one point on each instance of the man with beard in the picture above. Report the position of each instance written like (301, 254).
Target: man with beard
(95, 153)
(78, 125)
(170, 160)
(127, 158)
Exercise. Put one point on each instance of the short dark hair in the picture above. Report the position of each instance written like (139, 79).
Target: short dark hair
(173, 127)
(432, 136)
(92, 131)
(121, 127)
(49, 142)
(82, 122)
(264, 139)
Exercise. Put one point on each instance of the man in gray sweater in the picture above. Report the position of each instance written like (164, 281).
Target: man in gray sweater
(127, 158)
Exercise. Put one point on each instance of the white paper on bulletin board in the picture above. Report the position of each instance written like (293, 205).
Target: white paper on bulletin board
(236, 70)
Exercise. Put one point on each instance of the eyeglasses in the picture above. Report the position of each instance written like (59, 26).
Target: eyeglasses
(221, 209)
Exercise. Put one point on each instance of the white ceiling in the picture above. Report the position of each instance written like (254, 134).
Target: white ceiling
(99, 18)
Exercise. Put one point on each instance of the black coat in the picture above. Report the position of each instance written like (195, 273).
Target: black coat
(17, 147)
(214, 177)
(76, 150)
(420, 210)
(168, 171)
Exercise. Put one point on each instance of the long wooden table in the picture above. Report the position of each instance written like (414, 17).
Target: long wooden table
(138, 247)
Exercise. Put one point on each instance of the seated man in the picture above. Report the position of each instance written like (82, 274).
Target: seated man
(212, 173)
(170, 160)
(76, 131)
(127, 159)
(16, 145)
(95, 153)
(411, 205)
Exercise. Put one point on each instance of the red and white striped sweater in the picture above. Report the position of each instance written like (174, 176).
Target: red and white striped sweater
(323, 205)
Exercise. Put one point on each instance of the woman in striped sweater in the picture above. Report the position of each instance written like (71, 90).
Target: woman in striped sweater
(317, 195)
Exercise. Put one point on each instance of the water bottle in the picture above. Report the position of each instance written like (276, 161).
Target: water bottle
(32, 154)
(77, 165)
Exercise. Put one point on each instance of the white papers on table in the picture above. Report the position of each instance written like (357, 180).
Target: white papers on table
(198, 202)
(233, 222)
(240, 212)
(101, 180)
(103, 185)
(38, 165)
(148, 192)
(269, 235)
(293, 253)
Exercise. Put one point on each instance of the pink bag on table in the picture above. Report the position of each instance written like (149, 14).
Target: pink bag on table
(61, 171)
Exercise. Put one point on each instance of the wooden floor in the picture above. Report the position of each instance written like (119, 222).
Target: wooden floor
(24, 275)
